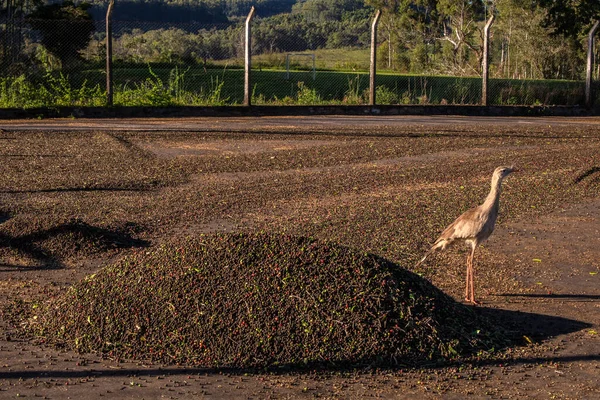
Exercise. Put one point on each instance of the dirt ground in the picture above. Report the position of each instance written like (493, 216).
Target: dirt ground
(76, 195)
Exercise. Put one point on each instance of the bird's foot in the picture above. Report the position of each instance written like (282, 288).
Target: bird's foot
(472, 301)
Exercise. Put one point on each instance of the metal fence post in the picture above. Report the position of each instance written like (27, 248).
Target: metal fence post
(109, 74)
(485, 62)
(373, 70)
(248, 61)
(590, 65)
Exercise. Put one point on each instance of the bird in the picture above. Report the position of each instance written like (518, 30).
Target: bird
(473, 227)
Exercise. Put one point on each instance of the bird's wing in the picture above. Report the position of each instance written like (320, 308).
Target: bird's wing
(467, 226)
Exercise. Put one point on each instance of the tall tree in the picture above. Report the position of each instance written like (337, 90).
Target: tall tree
(422, 27)
(530, 45)
(418, 31)
(65, 29)
(462, 28)
(389, 21)
(11, 36)
(571, 17)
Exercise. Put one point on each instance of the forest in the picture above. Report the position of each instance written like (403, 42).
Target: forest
(535, 39)
(540, 39)
(201, 11)
(432, 39)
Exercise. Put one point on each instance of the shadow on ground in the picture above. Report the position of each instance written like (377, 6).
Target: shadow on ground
(536, 327)
(126, 188)
(47, 247)
(565, 296)
(4, 216)
(173, 371)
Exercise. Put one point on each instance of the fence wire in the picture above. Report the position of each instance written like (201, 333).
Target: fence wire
(62, 62)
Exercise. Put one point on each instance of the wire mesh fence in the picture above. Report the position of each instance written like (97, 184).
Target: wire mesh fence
(63, 62)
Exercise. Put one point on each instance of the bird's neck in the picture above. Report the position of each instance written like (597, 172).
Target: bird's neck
(493, 198)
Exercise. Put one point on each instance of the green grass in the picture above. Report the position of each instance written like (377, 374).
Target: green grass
(162, 85)
(347, 59)
(537, 92)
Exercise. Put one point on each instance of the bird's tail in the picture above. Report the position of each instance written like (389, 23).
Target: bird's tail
(436, 245)
(424, 257)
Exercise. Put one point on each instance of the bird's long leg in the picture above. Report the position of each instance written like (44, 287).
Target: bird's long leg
(468, 278)
(472, 276)
(472, 281)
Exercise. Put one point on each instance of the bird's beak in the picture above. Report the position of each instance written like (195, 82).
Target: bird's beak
(514, 169)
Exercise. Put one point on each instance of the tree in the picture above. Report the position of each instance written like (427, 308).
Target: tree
(461, 25)
(570, 17)
(65, 29)
(529, 45)
(11, 35)
(390, 10)
(419, 30)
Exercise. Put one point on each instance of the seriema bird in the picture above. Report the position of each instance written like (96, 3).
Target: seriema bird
(474, 227)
